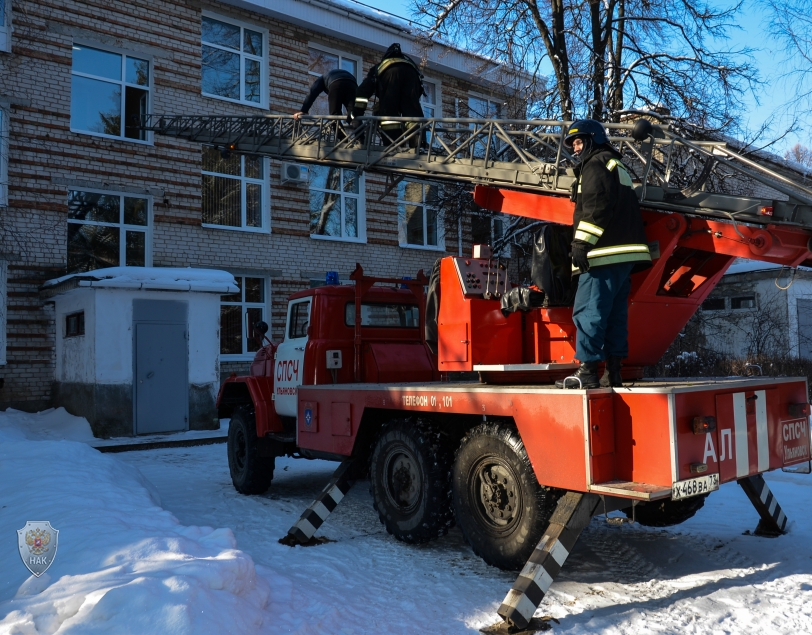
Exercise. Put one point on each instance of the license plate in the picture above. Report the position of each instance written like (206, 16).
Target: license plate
(695, 486)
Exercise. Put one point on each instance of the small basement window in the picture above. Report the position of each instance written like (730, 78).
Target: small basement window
(714, 304)
(75, 324)
(744, 302)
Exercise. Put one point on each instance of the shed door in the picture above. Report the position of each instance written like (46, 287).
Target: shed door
(161, 378)
(805, 328)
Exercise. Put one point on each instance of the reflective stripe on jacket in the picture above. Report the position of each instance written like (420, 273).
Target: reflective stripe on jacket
(607, 212)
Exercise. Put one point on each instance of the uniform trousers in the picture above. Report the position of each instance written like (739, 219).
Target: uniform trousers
(342, 93)
(601, 312)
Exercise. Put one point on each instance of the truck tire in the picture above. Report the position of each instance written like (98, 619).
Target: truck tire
(499, 505)
(409, 474)
(667, 513)
(250, 473)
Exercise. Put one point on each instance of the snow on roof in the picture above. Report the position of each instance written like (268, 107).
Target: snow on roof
(152, 278)
(743, 265)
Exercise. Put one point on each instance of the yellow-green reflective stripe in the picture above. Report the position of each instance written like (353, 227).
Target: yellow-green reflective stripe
(618, 258)
(619, 249)
(589, 227)
(622, 173)
(386, 125)
(589, 238)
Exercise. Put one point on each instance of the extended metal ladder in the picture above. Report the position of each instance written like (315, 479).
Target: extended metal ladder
(705, 178)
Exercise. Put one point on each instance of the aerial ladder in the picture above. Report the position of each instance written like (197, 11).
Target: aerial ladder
(704, 204)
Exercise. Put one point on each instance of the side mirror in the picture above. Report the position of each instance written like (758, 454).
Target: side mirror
(262, 327)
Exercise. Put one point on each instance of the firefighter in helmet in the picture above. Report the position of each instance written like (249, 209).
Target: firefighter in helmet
(398, 84)
(340, 86)
(609, 244)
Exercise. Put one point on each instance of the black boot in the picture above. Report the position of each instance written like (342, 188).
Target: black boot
(611, 374)
(587, 373)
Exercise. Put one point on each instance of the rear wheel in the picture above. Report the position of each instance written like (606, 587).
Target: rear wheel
(409, 474)
(499, 505)
(666, 513)
(250, 473)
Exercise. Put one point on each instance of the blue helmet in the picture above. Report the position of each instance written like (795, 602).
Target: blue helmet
(589, 129)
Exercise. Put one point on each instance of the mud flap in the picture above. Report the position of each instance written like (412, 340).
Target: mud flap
(773, 521)
(315, 515)
(573, 513)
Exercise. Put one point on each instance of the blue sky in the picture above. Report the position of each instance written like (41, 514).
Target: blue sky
(773, 95)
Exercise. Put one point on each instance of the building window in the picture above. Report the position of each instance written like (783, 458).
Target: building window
(4, 134)
(484, 108)
(486, 229)
(419, 223)
(239, 312)
(75, 324)
(5, 25)
(233, 61)
(107, 230)
(714, 304)
(430, 101)
(336, 207)
(235, 191)
(109, 93)
(744, 302)
(321, 61)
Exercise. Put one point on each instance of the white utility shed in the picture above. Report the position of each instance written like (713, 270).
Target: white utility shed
(138, 348)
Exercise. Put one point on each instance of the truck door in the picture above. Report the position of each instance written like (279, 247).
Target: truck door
(289, 368)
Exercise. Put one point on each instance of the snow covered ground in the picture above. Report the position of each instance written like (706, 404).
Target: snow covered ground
(158, 541)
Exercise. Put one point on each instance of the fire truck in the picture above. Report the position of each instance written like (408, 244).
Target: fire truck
(519, 465)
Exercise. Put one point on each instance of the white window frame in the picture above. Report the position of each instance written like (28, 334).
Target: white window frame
(265, 182)
(122, 254)
(472, 95)
(508, 251)
(361, 210)
(402, 238)
(4, 137)
(123, 83)
(438, 96)
(263, 63)
(266, 312)
(5, 27)
(359, 62)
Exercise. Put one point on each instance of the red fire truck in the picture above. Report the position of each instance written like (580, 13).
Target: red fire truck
(519, 465)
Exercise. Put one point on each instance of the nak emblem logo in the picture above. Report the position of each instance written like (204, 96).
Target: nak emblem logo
(37, 542)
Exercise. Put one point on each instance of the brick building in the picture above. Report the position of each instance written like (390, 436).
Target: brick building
(81, 188)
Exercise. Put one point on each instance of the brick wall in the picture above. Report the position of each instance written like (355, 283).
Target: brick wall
(46, 160)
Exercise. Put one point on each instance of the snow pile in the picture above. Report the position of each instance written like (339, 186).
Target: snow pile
(54, 424)
(123, 565)
(184, 279)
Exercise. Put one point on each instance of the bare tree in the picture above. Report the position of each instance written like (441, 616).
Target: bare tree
(791, 24)
(799, 154)
(606, 57)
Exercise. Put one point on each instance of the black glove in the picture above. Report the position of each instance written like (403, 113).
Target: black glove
(579, 255)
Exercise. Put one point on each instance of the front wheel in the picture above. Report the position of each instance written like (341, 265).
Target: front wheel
(499, 505)
(250, 473)
(409, 480)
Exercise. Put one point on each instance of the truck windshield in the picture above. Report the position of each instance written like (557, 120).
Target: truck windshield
(384, 315)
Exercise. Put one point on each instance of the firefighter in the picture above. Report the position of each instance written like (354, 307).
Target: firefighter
(398, 84)
(609, 244)
(340, 86)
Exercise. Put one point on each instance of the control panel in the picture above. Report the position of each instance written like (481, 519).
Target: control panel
(481, 276)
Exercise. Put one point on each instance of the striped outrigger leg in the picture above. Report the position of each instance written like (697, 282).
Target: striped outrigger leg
(315, 515)
(773, 519)
(573, 513)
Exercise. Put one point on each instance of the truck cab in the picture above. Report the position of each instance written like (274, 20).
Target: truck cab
(369, 332)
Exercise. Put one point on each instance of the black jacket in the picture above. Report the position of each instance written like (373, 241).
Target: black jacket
(369, 86)
(322, 85)
(607, 212)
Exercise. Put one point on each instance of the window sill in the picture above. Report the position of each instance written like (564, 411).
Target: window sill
(340, 239)
(422, 247)
(242, 357)
(252, 104)
(250, 230)
(89, 133)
